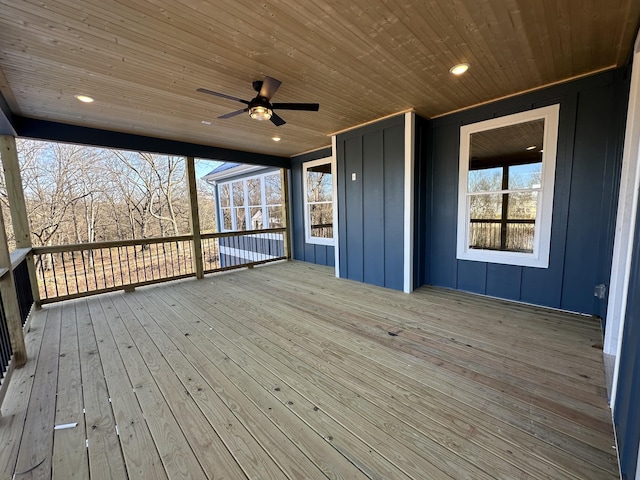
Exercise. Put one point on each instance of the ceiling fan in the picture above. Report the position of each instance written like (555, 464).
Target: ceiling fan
(261, 108)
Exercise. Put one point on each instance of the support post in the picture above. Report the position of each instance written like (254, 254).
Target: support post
(194, 217)
(284, 185)
(18, 207)
(10, 301)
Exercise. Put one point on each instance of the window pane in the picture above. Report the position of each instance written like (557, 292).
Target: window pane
(319, 183)
(256, 218)
(224, 195)
(321, 217)
(521, 211)
(254, 191)
(487, 206)
(226, 216)
(273, 190)
(241, 223)
(525, 176)
(515, 232)
(522, 205)
(238, 193)
(485, 224)
(275, 217)
(485, 180)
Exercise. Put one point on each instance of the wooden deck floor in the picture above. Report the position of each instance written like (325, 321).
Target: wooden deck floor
(285, 372)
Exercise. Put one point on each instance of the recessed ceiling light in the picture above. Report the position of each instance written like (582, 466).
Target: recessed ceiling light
(532, 147)
(84, 98)
(276, 139)
(205, 122)
(459, 69)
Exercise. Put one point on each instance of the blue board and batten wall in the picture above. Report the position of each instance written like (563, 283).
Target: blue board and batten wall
(590, 140)
(627, 411)
(371, 205)
(308, 252)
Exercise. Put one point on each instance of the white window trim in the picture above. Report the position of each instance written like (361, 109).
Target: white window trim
(542, 238)
(246, 206)
(307, 223)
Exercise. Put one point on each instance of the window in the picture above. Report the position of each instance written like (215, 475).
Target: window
(318, 201)
(505, 202)
(246, 203)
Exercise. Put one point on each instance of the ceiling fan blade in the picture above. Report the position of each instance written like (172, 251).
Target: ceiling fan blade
(269, 87)
(222, 95)
(277, 120)
(309, 107)
(233, 114)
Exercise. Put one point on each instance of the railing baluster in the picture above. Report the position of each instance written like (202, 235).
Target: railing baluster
(104, 272)
(64, 271)
(113, 273)
(127, 249)
(75, 271)
(144, 263)
(84, 271)
(150, 261)
(120, 265)
(55, 274)
(173, 264)
(92, 253)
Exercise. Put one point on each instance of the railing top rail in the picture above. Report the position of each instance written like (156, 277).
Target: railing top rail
(110, 244)
(18, 255)
(242, 232)
(74, 247)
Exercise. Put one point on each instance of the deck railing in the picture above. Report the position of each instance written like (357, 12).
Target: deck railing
(6, 351)
(20, 272)
(22, 281)
(71, 271)
(229, 250)
(78, 270)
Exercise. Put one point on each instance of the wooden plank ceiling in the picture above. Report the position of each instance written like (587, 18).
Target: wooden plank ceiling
(142, 60)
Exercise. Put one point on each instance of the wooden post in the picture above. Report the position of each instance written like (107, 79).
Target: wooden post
(18, 207)
(10, 301)
(195, 217)
(284, 182)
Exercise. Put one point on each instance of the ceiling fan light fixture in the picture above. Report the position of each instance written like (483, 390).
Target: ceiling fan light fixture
(260, 112)
(459, 69)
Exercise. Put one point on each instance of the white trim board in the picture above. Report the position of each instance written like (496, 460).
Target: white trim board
(307, 221)
(409, 156)
(539, 258)
(625, 225)
(336, 229)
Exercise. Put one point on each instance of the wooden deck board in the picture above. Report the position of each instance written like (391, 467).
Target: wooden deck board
(34, 457)
(242, 399)
(14, 406)
(378, 376)
(69, 446)
(139, 450)
(286, 372)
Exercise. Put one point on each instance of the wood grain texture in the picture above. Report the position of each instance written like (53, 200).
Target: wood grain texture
(69, 448)
(14, 409)
(361, 60)
(34, 458)
(284, 371)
